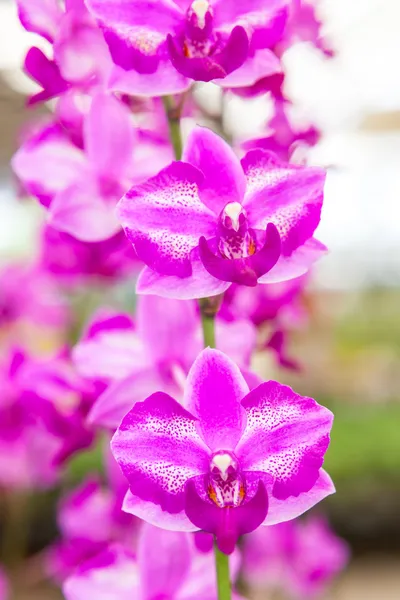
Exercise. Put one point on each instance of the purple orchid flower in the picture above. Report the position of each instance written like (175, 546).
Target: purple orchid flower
(42, 419)
(236, 461)
(73, 262)
(170, 43)
(82, 62)
(264, 304)
(78, 188)
(154, 354)
(167, 565)
(300, 557)
(210, 221)
(89, 518)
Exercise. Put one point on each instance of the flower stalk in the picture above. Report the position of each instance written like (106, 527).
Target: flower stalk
(173, 112)
(223, 578)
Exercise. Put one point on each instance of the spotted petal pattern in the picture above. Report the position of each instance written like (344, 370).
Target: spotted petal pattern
(286, 436)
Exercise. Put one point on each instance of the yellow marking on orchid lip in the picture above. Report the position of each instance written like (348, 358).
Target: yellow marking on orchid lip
(212, 495)
(252, 248)
(186, 51)
(242, 493)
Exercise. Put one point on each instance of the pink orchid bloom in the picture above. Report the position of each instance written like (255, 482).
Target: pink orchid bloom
(233, 460)
(89, 518)
(73, 262)
(167, 565)
(300, 557)
(212, 220)
(166, 44)
(81, 188)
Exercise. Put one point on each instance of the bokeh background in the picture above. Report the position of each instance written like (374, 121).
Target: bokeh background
(350, 349)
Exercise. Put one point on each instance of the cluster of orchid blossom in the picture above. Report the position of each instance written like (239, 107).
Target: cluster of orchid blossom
(205, 455)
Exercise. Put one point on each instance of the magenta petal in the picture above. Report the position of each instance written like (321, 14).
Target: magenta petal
(153, 514)
(199, 284)
(214, 389)
(290, 196)
(109, 137)
(168, 328)
(297, 264)
(229, 523)
(120, 396)
(286, 436)
(165, 80)
(111, 574)
(159, 16)
(40, 16)
(83, 212)
(263, 64)
(46, 73)
(294, 506)
(213, 66)
(47, 163)
(244, 271)
(158, 448)
(224, 180)
(164, 218)
(164, 560)
(128, 53)
(254, 12)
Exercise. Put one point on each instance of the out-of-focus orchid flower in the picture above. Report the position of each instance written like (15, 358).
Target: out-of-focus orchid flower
(300, 557)
(153, 354)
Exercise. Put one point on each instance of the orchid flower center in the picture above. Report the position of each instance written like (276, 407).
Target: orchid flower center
(236, 240)
(225, 483)
(199, 39)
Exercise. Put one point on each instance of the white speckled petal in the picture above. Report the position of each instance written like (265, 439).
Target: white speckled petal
(158, 449)
(164, 219)
(286, 436)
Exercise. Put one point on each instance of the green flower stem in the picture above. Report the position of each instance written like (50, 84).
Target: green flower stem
(173, 112)
(208, 324)
(223, 578)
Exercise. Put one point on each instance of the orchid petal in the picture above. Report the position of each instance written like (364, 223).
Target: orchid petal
(110, 575)
(82, 211)
(297, 264)
(158, 449)
(153, 514)
(244, 271)
(224, 180)
(40, 16)
(216, 65)
(109, 137)
(286, 436)
(229, 523)
(198, 285)
(290, 196)
(164, 560)
(294, 506)
(168, 327)
(264, 63)
(164, 218)
(214, 389)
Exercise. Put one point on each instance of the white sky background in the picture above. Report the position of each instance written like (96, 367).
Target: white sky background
(361, 218)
